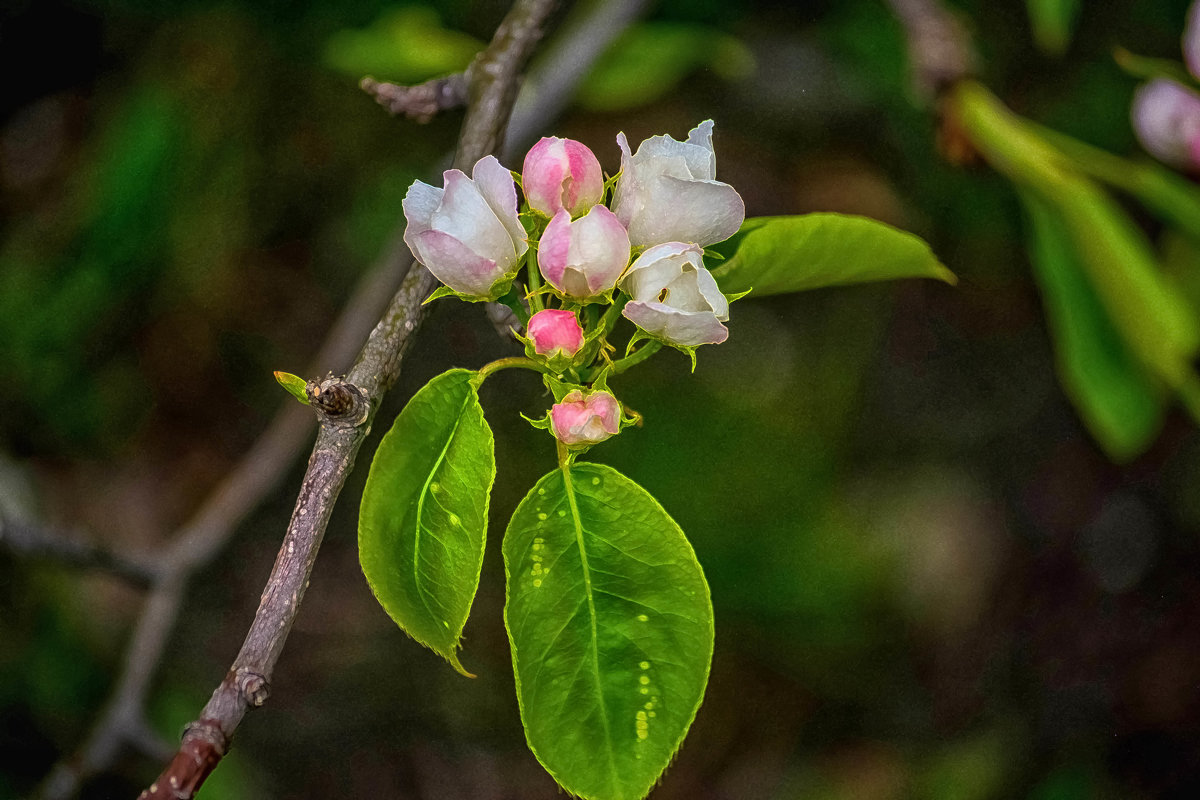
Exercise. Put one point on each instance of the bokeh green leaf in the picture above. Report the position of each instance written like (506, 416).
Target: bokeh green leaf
(1167, 194)
(611, 627)
(773, 255)
(407, 44)
(1119, 402)
(1053, 23)
(1154, 319)
(423, 520)
(650, 59)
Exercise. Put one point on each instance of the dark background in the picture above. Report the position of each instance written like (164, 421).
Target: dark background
(928, 580)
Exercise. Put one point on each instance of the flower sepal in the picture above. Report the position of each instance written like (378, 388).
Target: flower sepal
(582, 417)
(555, 338)
(498, 289)
(642, 335)
(604, 298)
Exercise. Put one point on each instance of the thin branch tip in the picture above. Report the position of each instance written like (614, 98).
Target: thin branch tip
(422, 102)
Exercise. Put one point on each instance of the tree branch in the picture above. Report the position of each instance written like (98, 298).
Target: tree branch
(587, 32)
(421, 102)
(121, 724)
(258, 473)
(492, 90)
(36, 541)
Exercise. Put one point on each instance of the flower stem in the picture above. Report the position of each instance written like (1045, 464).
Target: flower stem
(638, 356)
(565, 458)
(613, 313)
(513, 301)
(509, 363)
(607, 321)
(534, 279)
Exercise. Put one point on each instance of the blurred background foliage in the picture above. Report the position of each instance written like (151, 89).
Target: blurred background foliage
(930, 580)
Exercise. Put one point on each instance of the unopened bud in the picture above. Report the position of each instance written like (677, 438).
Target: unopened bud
(582, 420)
(561, 174)
(554, 333)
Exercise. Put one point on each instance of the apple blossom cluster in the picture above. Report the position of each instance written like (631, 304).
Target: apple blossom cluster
(1166, 113)
(581, 253)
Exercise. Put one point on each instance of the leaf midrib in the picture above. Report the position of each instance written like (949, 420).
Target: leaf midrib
(421, 591)
(587, 590)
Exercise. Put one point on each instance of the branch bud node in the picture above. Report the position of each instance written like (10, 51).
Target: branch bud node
(253, 686)
(338, 400)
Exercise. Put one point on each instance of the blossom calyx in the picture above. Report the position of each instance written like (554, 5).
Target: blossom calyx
(580, 420)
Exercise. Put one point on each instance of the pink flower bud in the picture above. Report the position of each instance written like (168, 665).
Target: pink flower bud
(555, 332)
(585, 257)
(562, 173)
(1166, 118)
(585, 419)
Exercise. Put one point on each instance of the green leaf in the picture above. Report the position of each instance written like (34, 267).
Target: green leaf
(1121, 404)
(611, 628)
(772, 255)
(1053, 23)
(423, 520)
(1170, 196)
(296, 386)
(1148, 68)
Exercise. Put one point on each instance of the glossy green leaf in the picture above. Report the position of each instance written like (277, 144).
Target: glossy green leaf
(772, 255)
(611, 628)
(1121, 404)
(423, 521)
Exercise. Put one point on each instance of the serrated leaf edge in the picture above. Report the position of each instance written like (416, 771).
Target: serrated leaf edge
(450, 654)
(608, 472)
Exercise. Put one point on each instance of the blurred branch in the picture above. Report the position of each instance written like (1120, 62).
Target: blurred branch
(36, 541)
(584, 36)
(492, 90)
(939, 47)
(422, 102)
(260, 471)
